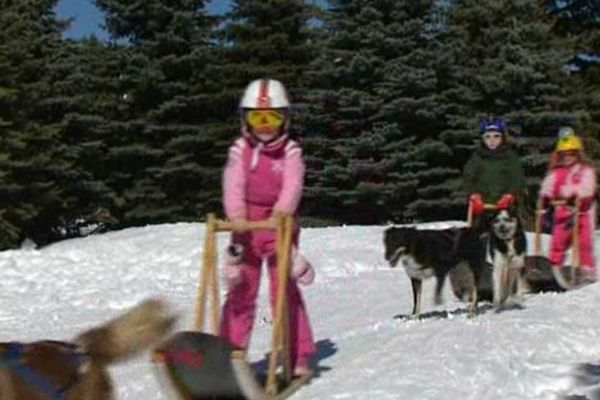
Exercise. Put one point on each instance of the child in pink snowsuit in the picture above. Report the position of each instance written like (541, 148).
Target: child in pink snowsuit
(572, 180)
(264, 175)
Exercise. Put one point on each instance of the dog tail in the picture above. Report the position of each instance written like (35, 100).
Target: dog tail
(129, 334)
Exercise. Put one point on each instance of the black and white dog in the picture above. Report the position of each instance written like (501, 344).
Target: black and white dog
(426, 253)
(507, 247)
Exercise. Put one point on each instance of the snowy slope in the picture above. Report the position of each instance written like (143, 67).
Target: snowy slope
(367, 350)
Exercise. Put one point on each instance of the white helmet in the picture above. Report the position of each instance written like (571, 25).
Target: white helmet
(265, 93)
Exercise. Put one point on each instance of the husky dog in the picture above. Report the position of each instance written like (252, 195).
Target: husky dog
(426, 253)
(507, 247)
(77, 370)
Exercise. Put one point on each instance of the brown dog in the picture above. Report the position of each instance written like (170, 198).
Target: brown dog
(78, 370)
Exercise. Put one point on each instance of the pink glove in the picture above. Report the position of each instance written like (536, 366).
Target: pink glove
(477, 205)
(233, 267)
(302, 271)
(505, 201)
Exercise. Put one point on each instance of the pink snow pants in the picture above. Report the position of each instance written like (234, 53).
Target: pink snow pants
(562, 233)
(239, 310)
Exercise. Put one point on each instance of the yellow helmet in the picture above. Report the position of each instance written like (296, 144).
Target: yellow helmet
(569, 143)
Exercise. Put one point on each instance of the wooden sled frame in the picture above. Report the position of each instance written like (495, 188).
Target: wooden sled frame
(280, 348)
(539, 213)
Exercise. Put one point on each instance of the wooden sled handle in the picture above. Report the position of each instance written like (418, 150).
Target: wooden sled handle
(575, 231)
(284, 225)
(575, 239)
(486, 206)
(209, 278)
(560, 202)
(227, 226)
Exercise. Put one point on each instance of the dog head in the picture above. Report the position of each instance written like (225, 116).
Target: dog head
(397, 242)
(505, 224)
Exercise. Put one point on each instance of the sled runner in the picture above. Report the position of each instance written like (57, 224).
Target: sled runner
(540, 268)
(201, 365)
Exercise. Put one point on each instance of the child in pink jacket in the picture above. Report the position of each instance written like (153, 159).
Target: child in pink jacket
(573, 180)
(264, 175)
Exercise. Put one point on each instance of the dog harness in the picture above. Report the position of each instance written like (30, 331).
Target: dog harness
(13, 359)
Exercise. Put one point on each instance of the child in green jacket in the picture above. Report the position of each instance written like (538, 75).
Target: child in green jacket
(494, 174)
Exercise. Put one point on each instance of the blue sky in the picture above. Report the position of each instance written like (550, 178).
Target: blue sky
(88, 19)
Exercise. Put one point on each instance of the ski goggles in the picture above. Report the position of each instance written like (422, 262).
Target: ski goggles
(265, 118)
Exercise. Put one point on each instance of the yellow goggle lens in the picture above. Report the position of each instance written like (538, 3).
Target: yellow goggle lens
(265, 118)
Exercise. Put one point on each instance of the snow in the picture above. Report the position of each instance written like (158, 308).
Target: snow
(368, 349)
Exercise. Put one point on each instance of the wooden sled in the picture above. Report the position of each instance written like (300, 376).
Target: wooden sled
(200, 365)
(540, 274)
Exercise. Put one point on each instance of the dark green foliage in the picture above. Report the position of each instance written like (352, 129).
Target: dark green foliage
(374, 133)
(93, 88)
(34, 161)
(503, 59)
(420, 160)
(580, 19)
(269, 38)
(164, 156)
(387, 99)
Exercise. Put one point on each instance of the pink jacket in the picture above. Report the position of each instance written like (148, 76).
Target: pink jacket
(259, 179)
(578, 180)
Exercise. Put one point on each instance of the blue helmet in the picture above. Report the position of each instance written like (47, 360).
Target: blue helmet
(493, 124)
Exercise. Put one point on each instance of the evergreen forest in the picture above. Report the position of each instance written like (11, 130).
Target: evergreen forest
(387, 101)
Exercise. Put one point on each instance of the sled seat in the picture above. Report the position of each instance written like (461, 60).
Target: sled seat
(203, 366)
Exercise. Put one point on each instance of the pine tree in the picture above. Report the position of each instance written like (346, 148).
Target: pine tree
(270, 38)
(580, 19)
(95, 102)
(9, 233)
(371, 79)
(163, 158)
(35, 164)
(418, 161)
(501, 58)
